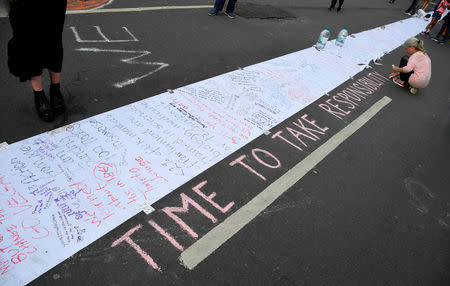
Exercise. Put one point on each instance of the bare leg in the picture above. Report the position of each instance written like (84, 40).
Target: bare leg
(56, 98)
(36, 83)
(433, 22)
(55, 77)
(431, 25)
(41, 102)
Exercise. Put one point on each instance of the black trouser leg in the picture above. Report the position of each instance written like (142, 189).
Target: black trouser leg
(333, 3)
(404, 63)
(230, 6)
(340, 3)
(413, 7)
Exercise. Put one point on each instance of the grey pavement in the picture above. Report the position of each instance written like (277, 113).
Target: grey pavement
(4, 8)
(376, 211)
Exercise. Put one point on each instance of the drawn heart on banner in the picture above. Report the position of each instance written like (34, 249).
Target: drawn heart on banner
(85, 4)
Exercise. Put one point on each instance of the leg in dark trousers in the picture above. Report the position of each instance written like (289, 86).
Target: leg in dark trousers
(405, 76)
(333, 3)
(231, 5)
(413, 7)
(444, 26)
(218, 5)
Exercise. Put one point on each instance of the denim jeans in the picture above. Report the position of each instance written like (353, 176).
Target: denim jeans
(220, 3)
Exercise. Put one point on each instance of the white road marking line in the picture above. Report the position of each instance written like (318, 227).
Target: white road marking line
(138, 9)
(4, 12)
(206, 245)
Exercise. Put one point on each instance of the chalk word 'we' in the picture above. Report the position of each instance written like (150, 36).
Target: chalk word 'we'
(104, 38)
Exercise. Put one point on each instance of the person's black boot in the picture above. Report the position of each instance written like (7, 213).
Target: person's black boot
(43, 107)
(56, 98)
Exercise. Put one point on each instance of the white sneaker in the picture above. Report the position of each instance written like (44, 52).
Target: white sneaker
(413, 90)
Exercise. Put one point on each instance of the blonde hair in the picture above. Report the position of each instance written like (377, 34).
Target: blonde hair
(416, 43)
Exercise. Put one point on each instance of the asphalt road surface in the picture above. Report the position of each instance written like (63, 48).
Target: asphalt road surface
(375, 211)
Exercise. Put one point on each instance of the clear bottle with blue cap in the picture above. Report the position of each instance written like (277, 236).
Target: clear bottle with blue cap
(343, 34)
(323, 39)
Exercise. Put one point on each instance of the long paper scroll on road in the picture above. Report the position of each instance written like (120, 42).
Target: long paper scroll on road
(62, 190)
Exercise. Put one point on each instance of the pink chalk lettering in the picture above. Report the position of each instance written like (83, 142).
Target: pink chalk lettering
(268, 154)
(349, 103)
(348, 99)
(310, 131)
(362, 86)
(239, 161)
(355, 92)
(376, 76)
(370, 83)
(350, 96)
(126, 237)
(210, 197)
(166, 235)
(184, 209)
(346, 94)
(278, 135)
(327, 107)
(297, 135)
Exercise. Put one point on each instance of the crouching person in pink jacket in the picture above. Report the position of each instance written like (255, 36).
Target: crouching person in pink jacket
(414, 71)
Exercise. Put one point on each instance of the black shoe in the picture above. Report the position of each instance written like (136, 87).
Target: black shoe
(56, 99)
(331, 8)
(339, 9)
(43, 107)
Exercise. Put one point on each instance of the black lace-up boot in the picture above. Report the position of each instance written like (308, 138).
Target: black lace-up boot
(43, 107)
(56, 98)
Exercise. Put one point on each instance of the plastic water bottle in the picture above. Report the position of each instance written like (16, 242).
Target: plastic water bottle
(323, 39)
(341, 37)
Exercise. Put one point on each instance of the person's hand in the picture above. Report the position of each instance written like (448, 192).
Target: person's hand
(396, 69)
